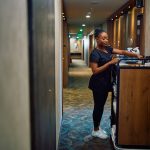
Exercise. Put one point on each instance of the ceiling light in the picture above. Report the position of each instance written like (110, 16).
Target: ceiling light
(83, 25)
(88, 16)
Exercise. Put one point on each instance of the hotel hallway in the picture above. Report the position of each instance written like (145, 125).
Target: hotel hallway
(77, 113)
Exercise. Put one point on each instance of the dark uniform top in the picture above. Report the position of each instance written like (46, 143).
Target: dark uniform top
(101, 81)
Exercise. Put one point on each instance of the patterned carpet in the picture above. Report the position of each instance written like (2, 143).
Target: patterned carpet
(77, 113)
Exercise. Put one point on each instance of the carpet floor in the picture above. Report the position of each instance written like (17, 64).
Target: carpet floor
(77, 122)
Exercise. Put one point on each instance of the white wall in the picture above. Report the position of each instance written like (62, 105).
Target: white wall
(86, 49)
(58, 66)
(104, 27)
(14, 80)
(147, 28)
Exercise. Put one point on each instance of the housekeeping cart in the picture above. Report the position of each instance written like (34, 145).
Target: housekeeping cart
(130, 113)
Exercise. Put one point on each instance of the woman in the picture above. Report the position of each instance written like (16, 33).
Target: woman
(100, 62)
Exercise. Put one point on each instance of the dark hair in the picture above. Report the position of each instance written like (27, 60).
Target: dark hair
(97, 32)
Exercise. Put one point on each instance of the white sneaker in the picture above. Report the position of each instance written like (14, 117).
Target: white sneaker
(100, 134)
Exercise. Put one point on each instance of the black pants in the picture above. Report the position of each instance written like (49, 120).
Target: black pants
(100, 98)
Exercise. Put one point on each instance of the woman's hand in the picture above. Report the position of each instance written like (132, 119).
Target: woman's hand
(114, 61)
(127, 53)
(139, 56)
(96, 69)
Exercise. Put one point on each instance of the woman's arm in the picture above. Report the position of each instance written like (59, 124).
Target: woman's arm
(96, 69)
(125, 52)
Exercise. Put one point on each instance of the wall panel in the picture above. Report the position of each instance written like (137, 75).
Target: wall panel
(42, 74)
(14, 79)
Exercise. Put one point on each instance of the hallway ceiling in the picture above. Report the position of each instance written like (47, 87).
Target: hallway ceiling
(76, 10)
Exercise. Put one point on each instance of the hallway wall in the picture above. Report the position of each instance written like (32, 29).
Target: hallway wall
(104, 26)
(147, 27)
(58, 66)
(14, 80)
(42, 74)
(66, 53)
(126, 31)
(86, 49)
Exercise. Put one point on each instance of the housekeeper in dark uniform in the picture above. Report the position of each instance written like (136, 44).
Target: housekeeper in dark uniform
(100, 62)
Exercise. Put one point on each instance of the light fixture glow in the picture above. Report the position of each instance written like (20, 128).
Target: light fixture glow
(83, 25)
(88, 16)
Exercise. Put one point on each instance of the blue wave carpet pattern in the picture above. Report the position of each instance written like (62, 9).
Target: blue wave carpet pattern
(77, 123)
